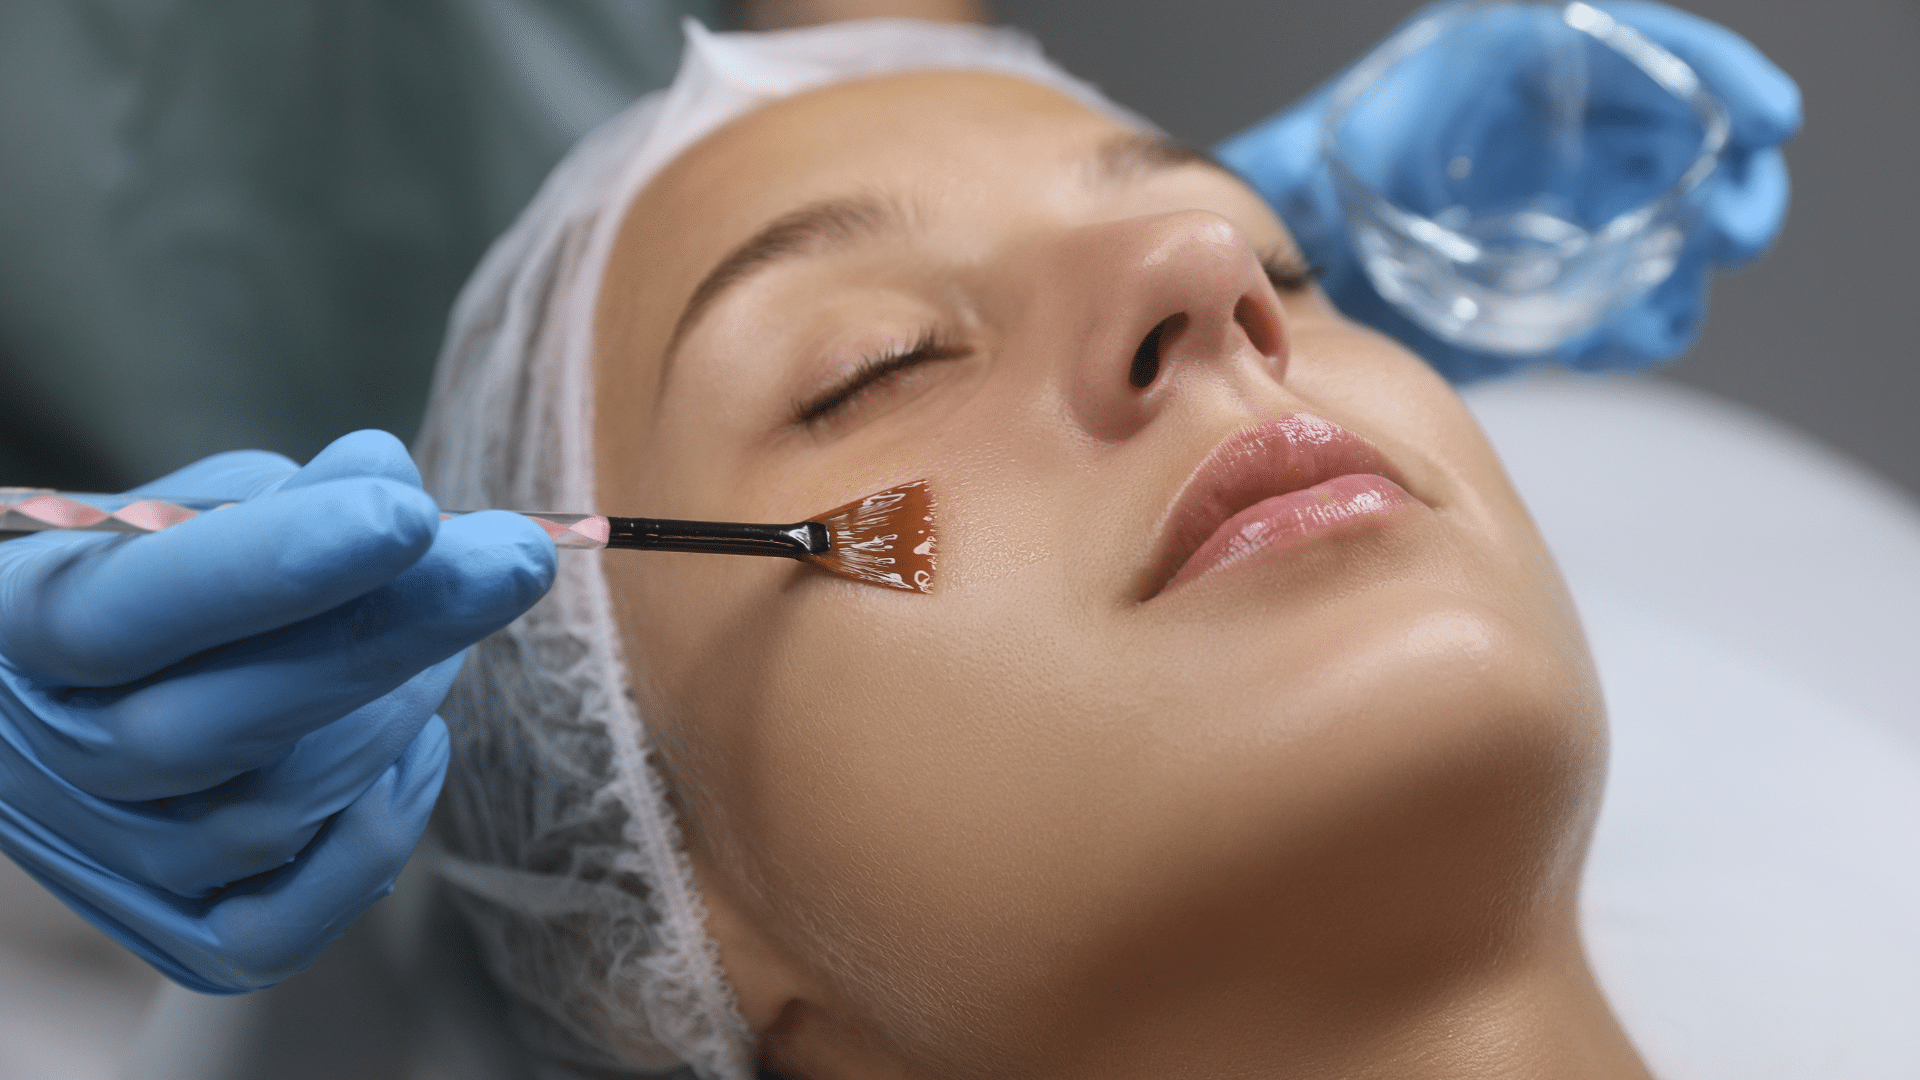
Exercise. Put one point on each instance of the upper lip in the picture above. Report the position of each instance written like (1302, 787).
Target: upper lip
(1292, 453)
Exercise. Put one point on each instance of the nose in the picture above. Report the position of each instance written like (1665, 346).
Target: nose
(1148, 303)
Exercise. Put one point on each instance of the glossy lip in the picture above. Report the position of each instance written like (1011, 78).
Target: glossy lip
(1273, 485)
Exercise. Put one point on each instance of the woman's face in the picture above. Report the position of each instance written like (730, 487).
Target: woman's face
(1117, 759)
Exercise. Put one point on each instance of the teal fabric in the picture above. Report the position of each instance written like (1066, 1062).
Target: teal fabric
(230, 223)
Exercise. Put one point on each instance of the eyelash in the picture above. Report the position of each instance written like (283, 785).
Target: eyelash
(1287, 274)
(929, 346)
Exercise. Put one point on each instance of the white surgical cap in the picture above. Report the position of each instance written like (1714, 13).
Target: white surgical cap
(554, 827)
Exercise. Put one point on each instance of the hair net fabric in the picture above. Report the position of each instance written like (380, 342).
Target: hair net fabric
(554, 828)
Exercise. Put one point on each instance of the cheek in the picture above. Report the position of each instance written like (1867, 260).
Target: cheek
(687, 463)
(725, 649)
(996, 472)
(702, 634)
(869, 785)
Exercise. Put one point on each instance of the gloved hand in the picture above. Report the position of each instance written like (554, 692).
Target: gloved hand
(217, 742)
(1745, 202)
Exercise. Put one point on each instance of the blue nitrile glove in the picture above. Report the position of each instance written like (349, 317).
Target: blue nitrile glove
(217, 742)
(1745, 202)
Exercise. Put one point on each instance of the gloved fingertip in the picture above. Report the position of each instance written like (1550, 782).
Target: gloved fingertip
(1748, 206)
(484, 571)
(276, 929)
(378, 525)
(1763, 102)
(366, 453)
(423, 768)
(386, 823)
(432, 744)
(1775, 110)
(510, 550)
(398, 509)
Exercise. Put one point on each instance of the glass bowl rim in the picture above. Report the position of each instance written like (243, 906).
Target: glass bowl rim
(1674, 74)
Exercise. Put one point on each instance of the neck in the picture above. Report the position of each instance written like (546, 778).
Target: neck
(1533, 1012)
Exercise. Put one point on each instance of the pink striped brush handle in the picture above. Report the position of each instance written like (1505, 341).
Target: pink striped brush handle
(40, 509)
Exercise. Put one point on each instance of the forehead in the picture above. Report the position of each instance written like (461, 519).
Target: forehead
(916, 129)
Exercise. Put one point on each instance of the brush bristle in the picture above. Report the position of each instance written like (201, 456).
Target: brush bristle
(884, 539)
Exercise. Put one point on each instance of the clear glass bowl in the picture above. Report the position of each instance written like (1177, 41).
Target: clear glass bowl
(1513, 173)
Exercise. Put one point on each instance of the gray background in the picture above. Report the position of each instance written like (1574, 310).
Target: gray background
(1821, 333)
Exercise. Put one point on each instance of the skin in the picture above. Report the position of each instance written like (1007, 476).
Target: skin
(1318, 814)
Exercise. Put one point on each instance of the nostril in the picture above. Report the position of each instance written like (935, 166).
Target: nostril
(1258, 323)
(1146, 358)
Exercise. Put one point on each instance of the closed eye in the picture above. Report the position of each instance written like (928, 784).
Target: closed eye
(874, 370)
(1288, 273)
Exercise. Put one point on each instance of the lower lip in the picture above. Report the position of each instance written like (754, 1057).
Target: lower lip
(1284, 522)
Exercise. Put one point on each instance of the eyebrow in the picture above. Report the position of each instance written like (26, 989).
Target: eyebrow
(810, 230)
(1133, 155)
(831, 224)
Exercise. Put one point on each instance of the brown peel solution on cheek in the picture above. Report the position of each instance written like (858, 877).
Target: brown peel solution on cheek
(883, 539)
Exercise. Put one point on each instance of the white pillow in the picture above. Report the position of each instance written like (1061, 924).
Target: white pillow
(1752, 903)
